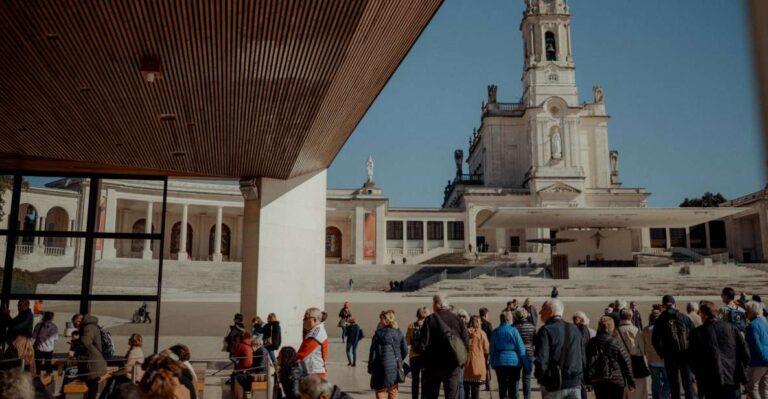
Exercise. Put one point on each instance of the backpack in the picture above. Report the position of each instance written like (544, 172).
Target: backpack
(679, 333)
(107, 346)
(415, 337)
(737, 317)
(600, 370)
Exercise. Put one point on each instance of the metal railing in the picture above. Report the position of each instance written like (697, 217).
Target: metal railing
(23, 249)
(55, 251)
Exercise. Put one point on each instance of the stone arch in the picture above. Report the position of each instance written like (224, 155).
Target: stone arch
(176, 238)
(226, 235)
(28, 219)
(332, 242)
(481, 240)
(550, 46)
(139, 226)
(57, 219)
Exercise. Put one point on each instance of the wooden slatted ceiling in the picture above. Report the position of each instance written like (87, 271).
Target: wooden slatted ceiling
(258, 88)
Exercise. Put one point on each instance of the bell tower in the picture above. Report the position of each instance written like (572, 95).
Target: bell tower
(548, 69)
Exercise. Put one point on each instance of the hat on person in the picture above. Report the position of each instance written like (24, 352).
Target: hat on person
(668, 300)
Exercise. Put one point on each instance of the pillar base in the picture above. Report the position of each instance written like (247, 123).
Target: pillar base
(146, 254)
(217, 258)
(182, 256)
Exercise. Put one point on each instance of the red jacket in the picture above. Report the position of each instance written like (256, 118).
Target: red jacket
(244, 354)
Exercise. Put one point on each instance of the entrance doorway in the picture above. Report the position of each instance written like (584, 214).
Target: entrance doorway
(514, 244)
(482, 246)
(332, 242)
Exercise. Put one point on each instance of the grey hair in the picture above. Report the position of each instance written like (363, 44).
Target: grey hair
(556, 306)
(315, 387)
(755, 307)
(463, 314)
(16, 384)
(692, 307)
(440, 302)
(256, 341)
(621, 304)
(520, 314)
(422, 312)
(580, 314)
(315, 313)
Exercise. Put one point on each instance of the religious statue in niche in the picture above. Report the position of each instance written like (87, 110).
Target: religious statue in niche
(614, 159)
(597, 90)
(492, 94)
(556, 145)
(369, 168)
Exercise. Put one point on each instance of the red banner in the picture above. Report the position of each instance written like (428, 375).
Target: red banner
(369, 236)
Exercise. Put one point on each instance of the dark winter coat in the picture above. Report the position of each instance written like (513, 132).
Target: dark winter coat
(354, 333)
(548, 345)
(718, 354)
(387, 347)
(234, 337)
(93, 364)
(527, 332)
(21, 325)
(619, 372)
(487, 327)
(272, 331)
(662, 334)
(434, 348)
(290, 379)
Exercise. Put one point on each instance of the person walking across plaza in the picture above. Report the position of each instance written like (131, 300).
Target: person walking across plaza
(273, 336)
(385, 359)
(558, 354)
(632, 339)
(412, 337)
(488, 330)
(475, 369)
(91, 363)
(354, 335)
(44, 338)
(671, 335)
(732, 312)
(637, 319)
(442, 357)
(718, 356)
(533, 316)
(659, 383)
(609, 368)
(344, 314)
(521, 321)
(314, 347)
(757, 342)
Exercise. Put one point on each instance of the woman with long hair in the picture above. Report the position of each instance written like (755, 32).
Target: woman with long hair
(290, 372)
(475, 369)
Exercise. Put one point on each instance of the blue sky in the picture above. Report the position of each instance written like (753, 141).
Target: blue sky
(678, 85)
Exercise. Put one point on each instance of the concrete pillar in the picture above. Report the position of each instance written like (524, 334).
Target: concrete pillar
(405, 241)
(217, 238)
(40, 228)
(669, 239)
(183, 255)
(70, 241)
(470, 233)
(381, 236)
(147, 252)
(110, 224)
(359, 220)
(761, 240)
(645, 238)
(688, 237)
(445, 234)
(706, 238)
(424, 237)
(501, 240)
(284, 221)
(239, 240)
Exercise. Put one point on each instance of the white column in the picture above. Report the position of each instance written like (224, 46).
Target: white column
(381, 236)
(688, 237)
(669, 239)
(501, 240)
(645, 238)
(183, 255)
(239, 240)
(424, 243)
(40, 228)
(147, 253)
(359, 219)
(217, 239)
(405, 241)
(706, 238)
(470, 233)
(445, 234)
(71, 228)
(110, 223)
(284, 221)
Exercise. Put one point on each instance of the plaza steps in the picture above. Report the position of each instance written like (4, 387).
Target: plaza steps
(367, 278)
(448, 259)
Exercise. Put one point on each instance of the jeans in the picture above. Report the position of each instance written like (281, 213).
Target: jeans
(273, 358)
(757, 382)
(526, 377)
(352, 352)
(568, 393)
(507, 377)
(677, 370)
(449, 380)
(608, 391)
(659, 384)
(44, 362)
(416, 391)
(472, 390)
(719, 392)
(461, 383)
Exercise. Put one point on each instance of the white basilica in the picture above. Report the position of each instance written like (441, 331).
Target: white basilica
(538, 168)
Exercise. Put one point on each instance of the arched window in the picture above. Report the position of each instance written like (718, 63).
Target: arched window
(333, 242)
(225, 239)
(550, 46)
(176, 239)
(57, 219)
(137, 246)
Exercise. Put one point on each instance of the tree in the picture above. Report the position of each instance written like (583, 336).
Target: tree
(708, 200)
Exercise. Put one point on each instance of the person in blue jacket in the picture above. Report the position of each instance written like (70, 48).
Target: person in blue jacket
(757, 342)
(508, 356)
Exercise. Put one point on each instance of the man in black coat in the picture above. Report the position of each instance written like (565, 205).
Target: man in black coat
(558, 342)
(668, 346)
(718, 356)
(438, 358)
(22, 324)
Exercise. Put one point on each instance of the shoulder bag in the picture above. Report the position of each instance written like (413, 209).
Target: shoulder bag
(399, 363)
(639, 367)
(458, 349)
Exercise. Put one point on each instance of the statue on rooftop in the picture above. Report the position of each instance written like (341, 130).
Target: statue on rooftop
(492, 94)
(597, 90)
(369, 168)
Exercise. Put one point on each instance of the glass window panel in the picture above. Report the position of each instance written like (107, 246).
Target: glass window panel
(123, 318)
(123, 267)
(62, 318)
(53, 203)
(6, 193)
(125, 206)
(42, 262)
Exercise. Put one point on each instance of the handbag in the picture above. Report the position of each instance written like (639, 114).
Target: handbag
(399, 364)
(639, 367)
(553, 377)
